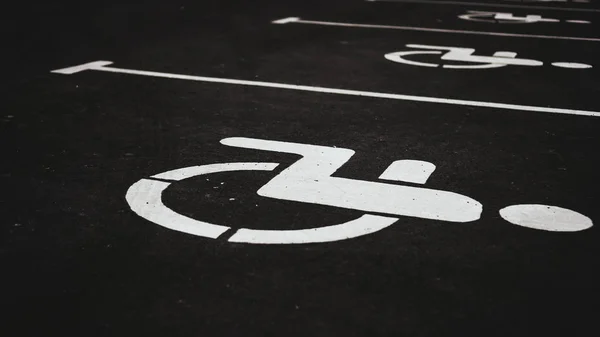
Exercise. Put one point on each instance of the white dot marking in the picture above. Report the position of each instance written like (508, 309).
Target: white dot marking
(548, 218)
(571, 65)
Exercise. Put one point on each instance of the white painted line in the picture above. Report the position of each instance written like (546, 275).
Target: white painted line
(87, 66)
(286, 20)
(486, 4)
(434, 30)
(371, 94)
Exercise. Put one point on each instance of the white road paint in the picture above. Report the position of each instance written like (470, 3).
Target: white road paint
(502, 17)
(563, 1)
(145, 198)
(571, 65)
(399, 58)
(408, 170)
(309, 180)
(101, 66)
(528, 18)
(194, 171)
(548, 218)
(433, 30)
(96, 65)
(460, 54)
(364, 225)
(286, 20)
(487, 4)
(509, 18)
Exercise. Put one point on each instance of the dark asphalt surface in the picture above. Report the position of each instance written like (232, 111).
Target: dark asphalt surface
(76, 261)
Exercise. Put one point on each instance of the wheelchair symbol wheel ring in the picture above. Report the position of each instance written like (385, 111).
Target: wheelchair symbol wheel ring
(145, 199)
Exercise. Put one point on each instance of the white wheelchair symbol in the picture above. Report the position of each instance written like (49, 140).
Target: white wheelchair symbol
(577, 1)
(509, 18)
(460, 54)
(309, 180)
(501, 17)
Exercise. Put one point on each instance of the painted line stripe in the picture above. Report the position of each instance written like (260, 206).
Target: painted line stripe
(435, 30)
(101, 66)
(486, 4)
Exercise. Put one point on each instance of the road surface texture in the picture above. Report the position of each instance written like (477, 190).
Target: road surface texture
(78, 261)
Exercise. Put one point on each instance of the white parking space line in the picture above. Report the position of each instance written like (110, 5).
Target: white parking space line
(487, 4)
(434, 30)
(102, 66)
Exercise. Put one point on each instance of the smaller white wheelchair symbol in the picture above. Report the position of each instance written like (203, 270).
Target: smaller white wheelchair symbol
(502, 17)
(309, 180)
(460, 54)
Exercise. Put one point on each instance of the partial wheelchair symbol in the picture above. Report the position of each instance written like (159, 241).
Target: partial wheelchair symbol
(575, 1)
(509, 18)
(309, 180)
(459, 54)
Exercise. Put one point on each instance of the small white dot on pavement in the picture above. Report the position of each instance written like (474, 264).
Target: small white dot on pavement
(549, 218)
(579, 21)
(571, 65)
